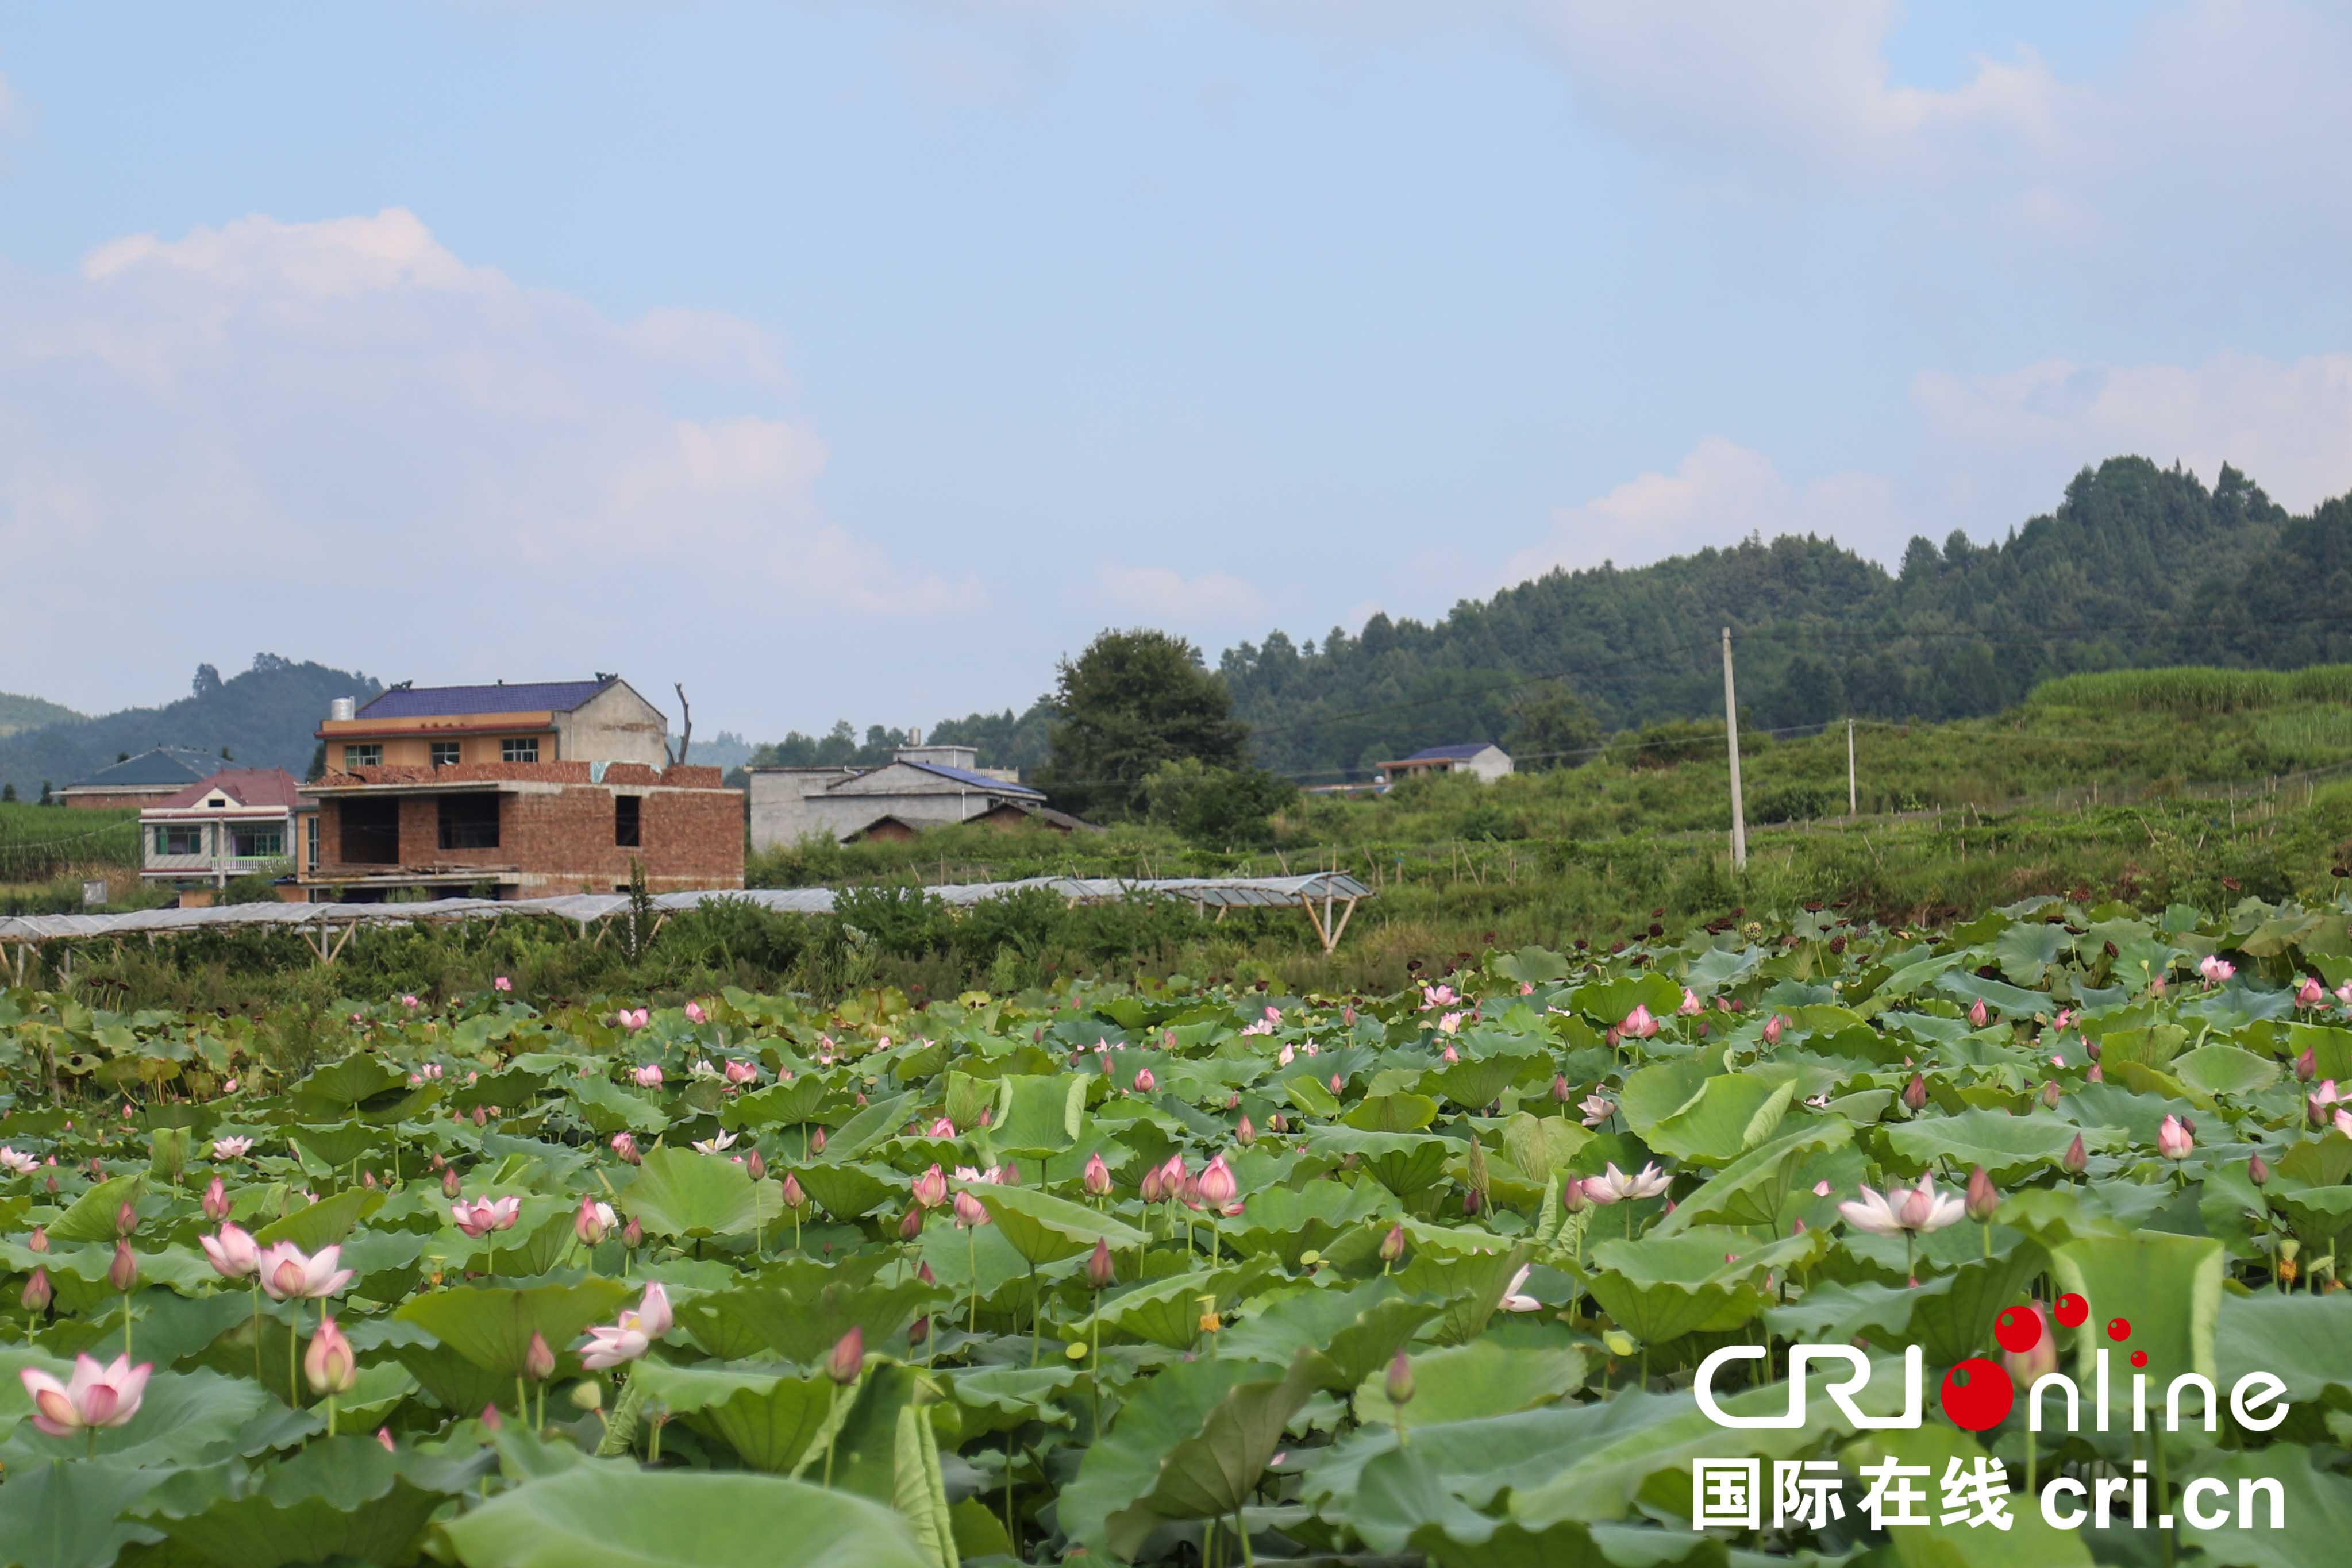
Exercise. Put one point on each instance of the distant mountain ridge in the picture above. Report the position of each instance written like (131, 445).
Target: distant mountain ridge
(265, 717)
(22, 713)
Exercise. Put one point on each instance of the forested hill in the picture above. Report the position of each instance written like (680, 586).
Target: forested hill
(2139, 565)
(264, 716)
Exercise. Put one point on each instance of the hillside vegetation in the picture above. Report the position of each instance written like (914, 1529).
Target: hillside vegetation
(264, 716)
(18, 712)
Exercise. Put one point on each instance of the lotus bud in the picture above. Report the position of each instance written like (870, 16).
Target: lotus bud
(492, 1418)
(2306, 1066)
(1217, 1184)
(1398, 1385)
(794, 1196)
(2175, 1139)
(2038, 1361)
(632, 1235)
(1008, 1173)
(1560, 1089)
(931, 1188)
(126, 1221)
(1095, 1178)
(919, 1330)
(2050, 1093)
(1347, 1017)
(38, 1291)
(1243, 1133)
(1276, 1123)
(1338, 1085)
(2096, 1074)
(1470, 1201)
(1099, 1270)
(2257, 1170)
(1144, 1081)
(39, 1240)
(1772, 1030)
(2091, 1047)
(123, 1272)
(2315, 1111)
(848, 1357)
(1572, 1198)
(1915, 1093)
(910, 1224)
(970, 1211)
(1153, 1187)
(2076, 1159)
(52, 1182)
(538, 1360)
(757, 1166)
(1976, 1014)
(1392, 1244)
(330, 1364)
(591, 1221)
(816, 1142)
(626, 1146)
(449, 1182)
(1981, 1197)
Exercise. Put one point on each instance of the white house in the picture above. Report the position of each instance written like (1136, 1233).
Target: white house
(921, 787)
(1488, 761)
(236, 821)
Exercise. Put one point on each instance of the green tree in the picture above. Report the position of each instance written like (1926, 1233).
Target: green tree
(1551, 728)
(1131, 702)
(1217, 807)
(7, 794)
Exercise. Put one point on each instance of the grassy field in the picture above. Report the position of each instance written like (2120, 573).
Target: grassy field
(46, 851)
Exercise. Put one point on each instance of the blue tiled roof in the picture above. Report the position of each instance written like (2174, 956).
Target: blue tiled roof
(165, 765)
(977, 781)
(1448, 753)
(522, 696)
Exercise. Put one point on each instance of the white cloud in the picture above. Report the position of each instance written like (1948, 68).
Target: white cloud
(1718, 495)
(1166, 597)
(347, 439)
(2286, 424)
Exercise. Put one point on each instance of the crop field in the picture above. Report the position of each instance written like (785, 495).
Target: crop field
(1756, 1243)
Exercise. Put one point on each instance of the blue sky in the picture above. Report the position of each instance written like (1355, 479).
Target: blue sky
(862, 359)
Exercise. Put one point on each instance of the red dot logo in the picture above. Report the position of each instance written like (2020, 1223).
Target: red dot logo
(2119, 1329)
(2072, 1311)
(2139, 1358)
(2018, 1329)
(1977, 1393)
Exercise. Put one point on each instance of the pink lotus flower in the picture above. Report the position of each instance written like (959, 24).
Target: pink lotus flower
(631, 1335)
(408, 1001)
(1096, 1179)
(593, 1221)
(1976, 1014)
(1144, 1081)
(2342, 1121)
(633, 1020)
(1435, 996)
(17, 1164)
(2173, 1139)
(2215, 969)
(1286, 1056)
(931, 1188)
(215, 1200)
(1691, 1007)
(2310, 993)
(940, 1127)
(231, 1148)
(1615, 1186)
(1772, 1030)
(330, 1364)
(742, 1071)
(98, 1395)
(232, 1253)
(970, 1211)
(625, 1145)
(1449, 1054)
(1639, 1024)
(694, 1013)
(502, 984)
(1217, 1184)
(1596, 1109)
(648, 1076)
(479, 1219)
(1514, 1300)
(289, 1274)
(1916, 1209)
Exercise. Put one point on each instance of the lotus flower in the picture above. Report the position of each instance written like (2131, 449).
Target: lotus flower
(1983, 1199)
(98, 1395)
(502, 984)
(970, 1212)
(1217, 1184)
(694, 1013)
(408, 1003)
(289, 1274)
(740, 1071)
(1435, 996)
(2343, 1122)
(629, 1019)
(1096, 1178)
(1638, 1024)
(2173, 1139)
(479, 1219)
(18, 1164)
(1144, 1081)
(1913, 1210)
(37, 1292)
(2310, 993)
(1450, 1024)
(1691, 1007)
(1100, 1270)
(215, 1201)
(1596, 1109)
(1976, 1014)
(593, 1221)
(717, 1146)
(626, 1146)
(2025, 1367)
(2215, 969)
(330, 1364)
(1514, 1300)
(232, 1253)
(931, 1188)
(1449, 1055)
(1772, 1030)
(648, 1076)
(231, 1148)
(847, 1358)
(1615, 1186)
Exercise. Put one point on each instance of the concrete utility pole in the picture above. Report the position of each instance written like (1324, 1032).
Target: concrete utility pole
(1852, 810)
(1731, 731)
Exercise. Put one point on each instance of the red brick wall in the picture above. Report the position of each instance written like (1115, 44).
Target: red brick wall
(562, 839)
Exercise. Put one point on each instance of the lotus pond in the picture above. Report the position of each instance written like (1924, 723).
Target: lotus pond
(1199, 1275)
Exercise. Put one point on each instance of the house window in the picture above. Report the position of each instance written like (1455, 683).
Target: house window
(371, 832)
(518, 750)
(627, 819)
(445, 754)
(259, 844)
(368, 756)
(310, 841)
(188, 840)
(469, 821)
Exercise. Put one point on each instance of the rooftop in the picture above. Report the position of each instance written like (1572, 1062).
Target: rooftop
(1450, 753)
(522, 697)
(245, 786)
(962, 776)
(165, 765)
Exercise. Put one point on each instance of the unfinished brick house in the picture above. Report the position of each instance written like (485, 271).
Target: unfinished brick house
(513, 791)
